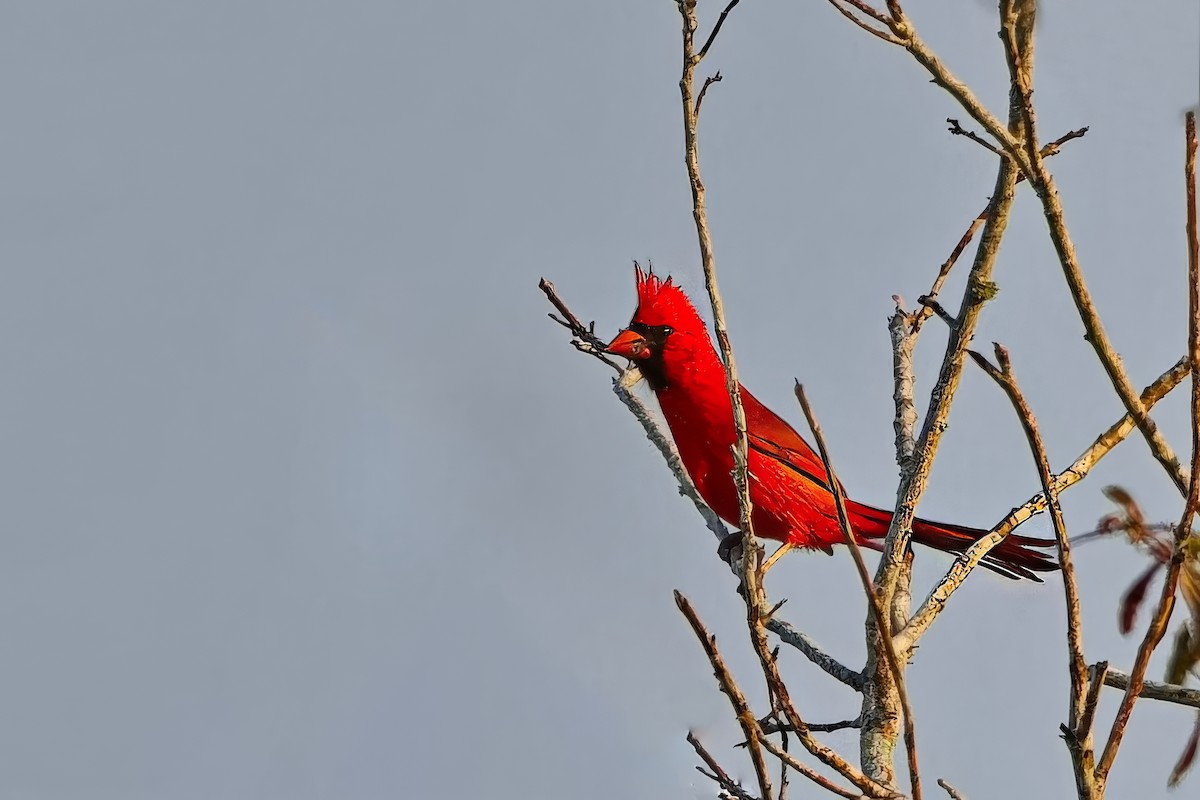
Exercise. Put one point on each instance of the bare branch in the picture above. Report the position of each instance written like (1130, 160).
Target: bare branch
(1081, 743)
(845, 12)
(811, 773)
(741, 708)
(709, 81)
(871, 12)
(1025, 153)
(1102, 446)
(718, 774)
(944, 78)
(1153, 690)
(1052, 149)
(1166, 601)
(882, 621)
(904, 382)
(750, 578)
(1097, 674)
(585, 340)
(712, 37)
(926, 300)
(623, 389)
(955, 794)
(959, 130)
(1096, 335)
(768, 726)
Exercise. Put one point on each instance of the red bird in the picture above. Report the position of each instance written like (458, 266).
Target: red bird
(792, 501)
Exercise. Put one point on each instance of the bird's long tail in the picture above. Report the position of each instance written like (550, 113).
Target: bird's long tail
(1015, 557)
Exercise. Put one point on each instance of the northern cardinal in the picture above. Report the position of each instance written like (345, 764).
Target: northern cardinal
(792, 502)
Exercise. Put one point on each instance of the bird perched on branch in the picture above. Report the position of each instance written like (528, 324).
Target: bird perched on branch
(789, 491)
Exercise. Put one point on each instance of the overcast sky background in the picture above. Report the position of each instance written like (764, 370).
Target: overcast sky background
(304, 496)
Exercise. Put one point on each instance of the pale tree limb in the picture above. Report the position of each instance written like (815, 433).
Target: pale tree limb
(1081, 749)
(1166, 601)
(904, 382)
(882, 620)
(623, 389)
(979, 290)
(904, 342)
(1153, 690)
(802, 642)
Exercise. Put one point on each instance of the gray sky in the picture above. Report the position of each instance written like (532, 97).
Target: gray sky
(305, 496)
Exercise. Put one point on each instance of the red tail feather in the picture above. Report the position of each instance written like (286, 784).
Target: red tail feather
(1014, 557)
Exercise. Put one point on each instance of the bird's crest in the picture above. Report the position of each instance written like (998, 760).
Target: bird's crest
(662, 302)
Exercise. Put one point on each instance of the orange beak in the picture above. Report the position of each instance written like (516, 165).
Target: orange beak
(629, 345)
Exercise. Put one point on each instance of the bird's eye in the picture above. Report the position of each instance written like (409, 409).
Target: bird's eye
(667, 330)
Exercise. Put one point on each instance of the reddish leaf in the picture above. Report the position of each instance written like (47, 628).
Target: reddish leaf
(1133, 599)
(1188, 756)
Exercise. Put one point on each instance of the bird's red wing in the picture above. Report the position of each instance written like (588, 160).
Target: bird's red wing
(772, 436)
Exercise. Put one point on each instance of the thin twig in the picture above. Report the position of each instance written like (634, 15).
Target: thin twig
(870, 11)
(955, 794)
(1047, 190)
(1043, 182)
(978, 282)
(1096, 334)
(1052, 148)
(687, 12)
(782, 701)
(712, 37)
(1153, 690)
(811, 773)
(1102, 446)
(845, 12)
(1166, 601)
(959, 130)
(709, 81)
(944, 78)
(718, 774)
(881, 619)
(741, 708)
(923, 314)
(585, 339)
(1081, 746)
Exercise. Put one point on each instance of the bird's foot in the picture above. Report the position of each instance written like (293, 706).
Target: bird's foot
(731, 548)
